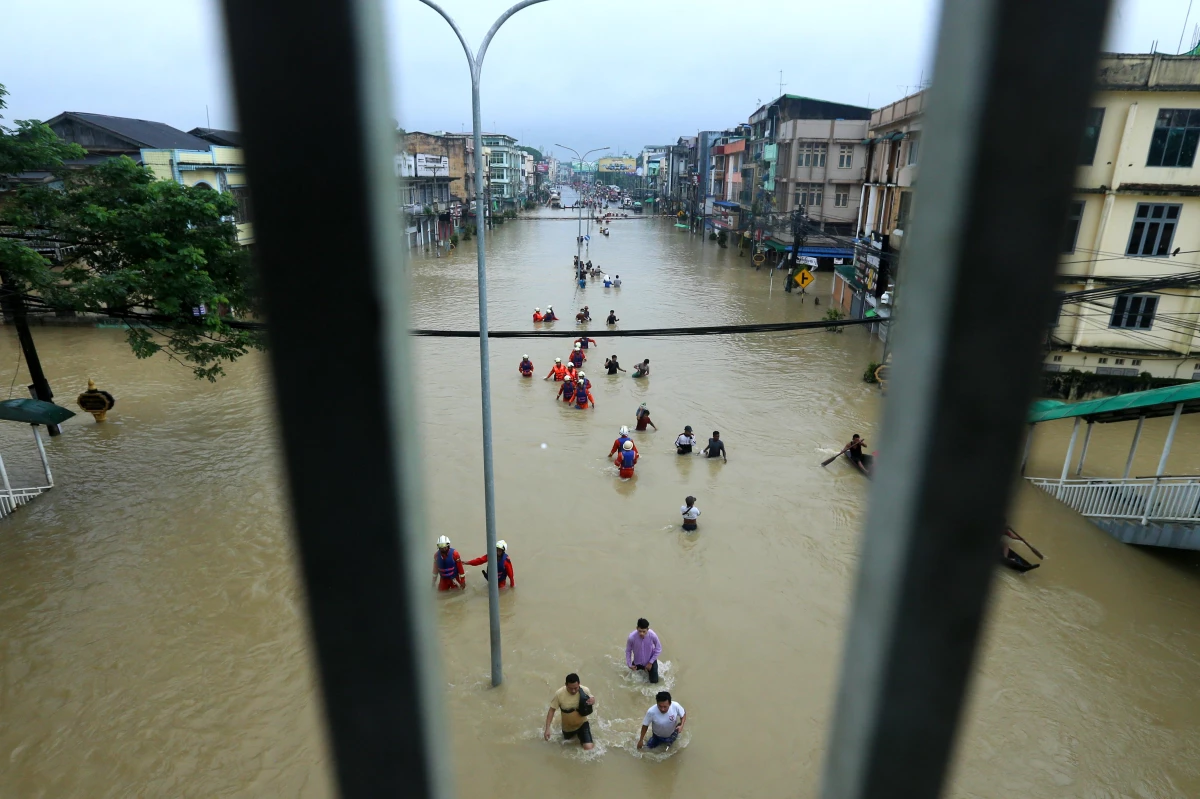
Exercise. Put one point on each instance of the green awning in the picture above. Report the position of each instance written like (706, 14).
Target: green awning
(1123, 407)
(776, 246)
(847, 273)
(33, 411)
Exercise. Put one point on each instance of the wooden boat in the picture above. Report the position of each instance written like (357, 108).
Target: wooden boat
(868, 464)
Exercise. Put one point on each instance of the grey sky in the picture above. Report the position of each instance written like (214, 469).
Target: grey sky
(625, 74)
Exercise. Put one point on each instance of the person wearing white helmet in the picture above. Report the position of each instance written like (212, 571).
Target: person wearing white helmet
(503, 565)
(525, 367)
(549, 315)
(621, 439)
(557, 371)
(537, 315)
(577, 357)
(448, 567)
(625, 460)
(582, 343)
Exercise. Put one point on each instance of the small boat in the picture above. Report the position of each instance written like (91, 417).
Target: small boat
(868, 464)
(1017, 563)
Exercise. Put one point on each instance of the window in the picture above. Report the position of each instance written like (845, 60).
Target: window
(1153, 228)
(845, 156)
(812, 154)
(1091, 135)
(1119, 361)
(914, 148)
(841, 196)
(1134, 311)
(1176, 132)
(1071, 234)
(905, 209)
(1058, 359)
(498, 159)
(242, 195)
(808, 195)
(1138, 362)
(1104, 360)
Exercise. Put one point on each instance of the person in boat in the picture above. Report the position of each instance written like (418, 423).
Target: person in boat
(448, 567)
(642, 369)
(622, 437)
(690, 513)
(612, 365)
(625, 460)
(643, 418)
(537, 315)
(549, 315)
(685, 441)
(577, 356)
(854, 451)
(504, 565)
(1010, 558)
(612, 318)
(557, 371)
(566, 392)
(525, 367)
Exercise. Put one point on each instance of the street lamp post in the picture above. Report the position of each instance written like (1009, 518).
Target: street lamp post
(579, 229)
(475, 62)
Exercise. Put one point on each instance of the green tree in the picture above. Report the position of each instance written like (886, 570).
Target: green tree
(127, 245)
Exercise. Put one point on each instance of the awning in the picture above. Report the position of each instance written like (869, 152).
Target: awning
(1123, 407)
(847, 273)
(727, 204)
(33, 411)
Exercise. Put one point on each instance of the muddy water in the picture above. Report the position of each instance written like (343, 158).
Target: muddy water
(153, 637)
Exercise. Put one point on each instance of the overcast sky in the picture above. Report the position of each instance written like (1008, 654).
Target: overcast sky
(626, 74)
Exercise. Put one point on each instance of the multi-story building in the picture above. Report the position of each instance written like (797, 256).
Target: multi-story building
(504, 168)
(1135, 216)
(436, 174)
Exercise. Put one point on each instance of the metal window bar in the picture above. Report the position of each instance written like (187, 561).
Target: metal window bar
(967, 358)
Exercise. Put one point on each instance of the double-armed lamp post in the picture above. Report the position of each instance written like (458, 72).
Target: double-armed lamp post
(475, 61)
(578, 202)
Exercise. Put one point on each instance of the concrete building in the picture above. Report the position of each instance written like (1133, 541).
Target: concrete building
(436, 174)
(220, 168)
(504, 169)
(1135, 216)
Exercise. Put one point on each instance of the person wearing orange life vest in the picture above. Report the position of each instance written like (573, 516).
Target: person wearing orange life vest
(625, 460)
(537, 315)
(621, 439)
(580, 377)
(503, 565)
(572, 372)
(582, 395)
(525, 367)
(558, 371)
(582, 343)
(448, 567)
(566, 391)
(577, 357)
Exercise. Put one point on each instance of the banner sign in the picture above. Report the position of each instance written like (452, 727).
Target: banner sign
(628, 165)
(429, 166)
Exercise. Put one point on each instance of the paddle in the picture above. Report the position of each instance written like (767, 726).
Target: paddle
(1032, 548)
(834, 458)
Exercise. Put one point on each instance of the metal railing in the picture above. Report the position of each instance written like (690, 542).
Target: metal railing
(12, 498)
(1145, 499)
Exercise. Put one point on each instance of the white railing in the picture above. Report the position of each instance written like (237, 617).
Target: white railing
(1168, 499)
(11, 498)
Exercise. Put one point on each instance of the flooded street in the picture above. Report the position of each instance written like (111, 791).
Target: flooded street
(152, 626)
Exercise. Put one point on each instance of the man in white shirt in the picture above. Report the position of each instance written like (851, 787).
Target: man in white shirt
(664, 720)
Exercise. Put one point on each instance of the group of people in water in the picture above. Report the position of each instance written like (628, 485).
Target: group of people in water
(585, 269)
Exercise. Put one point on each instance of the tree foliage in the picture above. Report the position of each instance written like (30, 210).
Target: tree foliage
(112, 239)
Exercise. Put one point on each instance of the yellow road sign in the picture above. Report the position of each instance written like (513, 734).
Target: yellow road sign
(803, 278)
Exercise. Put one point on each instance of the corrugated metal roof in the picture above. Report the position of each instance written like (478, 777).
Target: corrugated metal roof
(1123, 407)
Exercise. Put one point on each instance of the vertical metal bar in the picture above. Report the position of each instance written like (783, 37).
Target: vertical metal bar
(1070, 450)
(37, 437)
(1087, 439)
(1028, 444)
(363, 558)
(963, 373)
(1137, 436)
(1166, 453)
(4, 478)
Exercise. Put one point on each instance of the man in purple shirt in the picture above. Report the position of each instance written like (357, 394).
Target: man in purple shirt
(642, 650)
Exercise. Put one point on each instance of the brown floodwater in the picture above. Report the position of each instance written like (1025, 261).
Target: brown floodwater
(152, 628)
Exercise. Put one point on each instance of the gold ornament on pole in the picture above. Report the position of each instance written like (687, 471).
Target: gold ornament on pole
(97, 403)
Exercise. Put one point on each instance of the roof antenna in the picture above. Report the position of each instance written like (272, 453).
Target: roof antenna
(1186, 17)
(208, 121)
(781, 83)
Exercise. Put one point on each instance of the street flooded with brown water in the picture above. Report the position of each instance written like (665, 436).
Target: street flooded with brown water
(153, 629)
